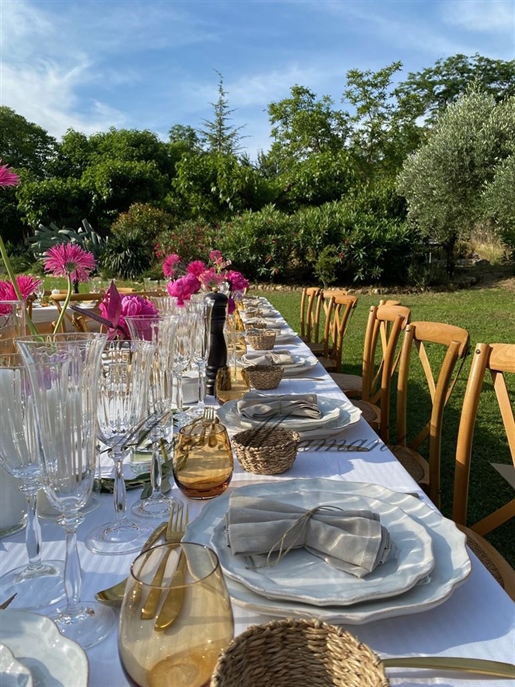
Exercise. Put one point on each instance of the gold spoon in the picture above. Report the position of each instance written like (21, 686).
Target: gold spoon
(113, 596)
(459, 664)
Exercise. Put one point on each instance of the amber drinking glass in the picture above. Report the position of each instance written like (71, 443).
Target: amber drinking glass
(203, 462)
(171, 632)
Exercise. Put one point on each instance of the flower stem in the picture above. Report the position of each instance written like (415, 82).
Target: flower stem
(65, 305)
(12, 277)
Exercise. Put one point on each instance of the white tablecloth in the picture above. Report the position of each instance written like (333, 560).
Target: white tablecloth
(477, 621)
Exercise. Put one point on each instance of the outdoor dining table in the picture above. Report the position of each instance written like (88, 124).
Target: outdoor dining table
(478, 620)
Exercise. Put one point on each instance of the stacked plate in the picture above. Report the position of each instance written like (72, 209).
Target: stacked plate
(299, 363)
(38, 654)
(336, 416)
(432, 559)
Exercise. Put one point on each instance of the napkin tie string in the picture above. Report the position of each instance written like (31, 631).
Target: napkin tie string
(301, 523)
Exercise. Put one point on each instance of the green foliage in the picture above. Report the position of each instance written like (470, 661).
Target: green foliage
(326, 266)
(127, 255)
(190, 240)
(24, 145)
(498, 201)
(143, 219)
(46, 237)
(219, 136)
(63, 201)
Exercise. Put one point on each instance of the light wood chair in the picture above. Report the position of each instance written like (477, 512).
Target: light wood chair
(76, 321)
(310, 311)
(370, 392)
(499, 360)
(427, 341)
(342, 309)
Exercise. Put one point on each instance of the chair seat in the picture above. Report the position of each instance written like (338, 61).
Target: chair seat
(317, 349)
(369, 412)
(350, 384)
(327, 363)
(413, 463)
(496, 564)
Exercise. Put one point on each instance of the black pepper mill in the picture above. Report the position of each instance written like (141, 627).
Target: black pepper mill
(217, 346)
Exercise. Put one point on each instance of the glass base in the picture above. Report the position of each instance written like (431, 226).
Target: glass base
(154, 507)
(117, 538)
(35, 588)
(91, 625)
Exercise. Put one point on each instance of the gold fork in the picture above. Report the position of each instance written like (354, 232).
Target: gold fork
(174, 532)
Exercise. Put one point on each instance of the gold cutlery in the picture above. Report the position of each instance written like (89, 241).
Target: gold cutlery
(113, 596)
(8, 601)
(459, 664)
(173, 535)
(173, 600)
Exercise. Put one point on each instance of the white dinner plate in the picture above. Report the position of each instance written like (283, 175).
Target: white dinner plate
(348, 415)
(12, 672)
(35, 641)
(301, 576)
(452, 563)
(285, 336)
(329, 408)
(301, 363)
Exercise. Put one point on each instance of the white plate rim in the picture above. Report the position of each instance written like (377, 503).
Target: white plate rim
(49, 648)
(414, 563)
(330, 407)
(9, 665)
(452, 563)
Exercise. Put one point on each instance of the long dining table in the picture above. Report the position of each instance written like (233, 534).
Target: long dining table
(477, 620)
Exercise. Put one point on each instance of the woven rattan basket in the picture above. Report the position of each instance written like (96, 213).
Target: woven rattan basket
(263, 376)
(298, 653)
(256, 325)
(266, 450)
(261, 340)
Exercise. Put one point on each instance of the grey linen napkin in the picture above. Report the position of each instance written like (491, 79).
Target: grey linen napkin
(265, 407)
(283, 358)
(352, 541)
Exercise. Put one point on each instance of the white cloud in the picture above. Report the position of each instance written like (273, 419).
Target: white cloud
(482, 15)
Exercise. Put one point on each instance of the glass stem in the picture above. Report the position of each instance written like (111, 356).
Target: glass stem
(156, 475)
(179, 392)
(201, 387)
(33, 529)
(119, 490)
(72, 570)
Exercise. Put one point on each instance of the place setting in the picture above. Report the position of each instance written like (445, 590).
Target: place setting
(292, 363)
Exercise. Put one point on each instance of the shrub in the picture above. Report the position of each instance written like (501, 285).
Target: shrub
(144, 219)
(191, 240)
(127, 255)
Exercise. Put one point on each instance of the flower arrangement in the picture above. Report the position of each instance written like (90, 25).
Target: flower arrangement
(200, 275)
(115, 309)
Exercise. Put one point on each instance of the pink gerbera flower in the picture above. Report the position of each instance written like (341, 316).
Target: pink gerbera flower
(170, 264)
(196, 267)
(68, 259)
(26, 284)
(8, 177)
(211, 278)
(237, 281)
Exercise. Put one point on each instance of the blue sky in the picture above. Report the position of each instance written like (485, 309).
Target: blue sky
(150, 64)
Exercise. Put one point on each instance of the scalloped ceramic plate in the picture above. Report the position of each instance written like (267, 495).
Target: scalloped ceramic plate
(36, 642)
(12, 672)
(452, 563)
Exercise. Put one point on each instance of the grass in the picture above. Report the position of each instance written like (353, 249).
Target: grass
(489, 316)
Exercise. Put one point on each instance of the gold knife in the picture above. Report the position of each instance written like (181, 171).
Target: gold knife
(173, 600)
(459, 664)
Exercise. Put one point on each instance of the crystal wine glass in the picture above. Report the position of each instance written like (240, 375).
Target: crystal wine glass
(12, 324)
(182, 653)
(37, 584)
(182, 358)
(64, 371)
(160, 330)
(122, 408)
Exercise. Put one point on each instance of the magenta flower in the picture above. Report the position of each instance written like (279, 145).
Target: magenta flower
(231, 306)
(69, 260)
(27, 285)
(196, 267)
(170, 264)
(137, 305)
(216, 257)
(8, 177)
(183, 288)
(237, 281)
(211, 278)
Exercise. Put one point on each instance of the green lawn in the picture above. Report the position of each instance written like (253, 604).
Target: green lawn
(489, 316)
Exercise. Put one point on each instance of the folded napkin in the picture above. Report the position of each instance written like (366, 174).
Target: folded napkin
(264, 407)
(282, 358)
(352, 541)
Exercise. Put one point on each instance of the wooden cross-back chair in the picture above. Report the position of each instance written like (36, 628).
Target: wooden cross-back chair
(495, 361)
(336, 327)
(421, 339)
(371, 391)
(310, 304)
(73, 320)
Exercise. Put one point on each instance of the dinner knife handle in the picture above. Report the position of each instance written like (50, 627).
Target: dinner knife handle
(173, 600)
(459, 664)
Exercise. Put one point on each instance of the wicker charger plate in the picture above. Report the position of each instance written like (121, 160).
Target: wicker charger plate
(266, 451)
(298, 653)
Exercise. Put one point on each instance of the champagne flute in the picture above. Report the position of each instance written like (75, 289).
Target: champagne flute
(64, 371)
(200, 352)
(37, 584)
(160, 330)
(183, 654)
(122, 407)
(182, 358)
